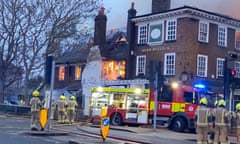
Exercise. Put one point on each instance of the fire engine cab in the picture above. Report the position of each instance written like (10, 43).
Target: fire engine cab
(176, 105)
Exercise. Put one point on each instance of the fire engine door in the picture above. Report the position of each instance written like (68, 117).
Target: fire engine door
(136, 110)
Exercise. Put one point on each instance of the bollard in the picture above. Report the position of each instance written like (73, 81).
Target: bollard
(104, 124)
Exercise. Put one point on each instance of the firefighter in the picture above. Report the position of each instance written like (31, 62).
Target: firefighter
(202, 115)
(35, 104)
(237, 118)
(61, 107)
(53, 109)
(72, 104)
(222, 118)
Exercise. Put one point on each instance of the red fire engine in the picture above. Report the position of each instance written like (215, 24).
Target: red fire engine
(176, 105)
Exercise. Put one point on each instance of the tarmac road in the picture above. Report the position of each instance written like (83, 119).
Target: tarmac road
(13, 131)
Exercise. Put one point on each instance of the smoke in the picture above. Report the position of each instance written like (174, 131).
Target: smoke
(224, 7)
(117, 10)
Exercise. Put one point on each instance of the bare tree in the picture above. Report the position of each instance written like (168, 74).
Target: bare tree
(31, 30)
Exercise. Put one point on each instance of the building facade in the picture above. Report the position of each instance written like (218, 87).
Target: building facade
(190, 43)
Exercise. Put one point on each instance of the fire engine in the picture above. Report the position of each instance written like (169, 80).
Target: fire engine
(124, 105)
(175, 107)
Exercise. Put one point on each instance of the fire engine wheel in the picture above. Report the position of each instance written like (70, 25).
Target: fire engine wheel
(179, 124)
(116, 119)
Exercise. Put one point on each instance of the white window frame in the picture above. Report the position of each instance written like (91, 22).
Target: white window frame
(171, 29)
(141, 65)
(220, 68)
(202, 63)
(237, 68)
(203, 31)
(222, 36)
(237, 39)
(143, 34)
(169, 64)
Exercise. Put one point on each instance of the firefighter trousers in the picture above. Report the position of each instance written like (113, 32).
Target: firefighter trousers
(220, 135)
(61, 116)
(34, 119)
(238, 135)
(202, 134)
(71, 115)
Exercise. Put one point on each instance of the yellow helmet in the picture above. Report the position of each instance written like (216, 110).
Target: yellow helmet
(72, 98)
(64, 97)
(203, 101)
(35, 93)
(216, 103)
(221, 103)
(238, 106)
(61, 97)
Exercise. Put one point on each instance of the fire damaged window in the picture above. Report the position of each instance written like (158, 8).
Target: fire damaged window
(61, 73)
(113, 70)
(78, 72)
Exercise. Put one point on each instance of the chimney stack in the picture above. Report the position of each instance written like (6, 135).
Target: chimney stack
(131, 33)
(160, 5)
(100, 31)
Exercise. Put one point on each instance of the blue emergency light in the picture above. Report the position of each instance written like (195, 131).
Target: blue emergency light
(201, 86)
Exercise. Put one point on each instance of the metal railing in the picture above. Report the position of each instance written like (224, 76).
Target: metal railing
(15, 109)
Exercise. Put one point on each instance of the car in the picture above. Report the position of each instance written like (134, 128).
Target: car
(11, 102)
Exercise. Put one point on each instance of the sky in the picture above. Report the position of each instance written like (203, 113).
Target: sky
(116, 10)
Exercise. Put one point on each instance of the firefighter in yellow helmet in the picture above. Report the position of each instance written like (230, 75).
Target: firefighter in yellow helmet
(35, 104)
(222, 118)
(72, 104)
(202, 115)
(61, 107)
(236, 115)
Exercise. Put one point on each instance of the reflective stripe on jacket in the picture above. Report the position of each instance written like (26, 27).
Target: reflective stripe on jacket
(61, 105)
(237, 115)
(221, 116)
(202, 114)
(35, 103)
(72, 104)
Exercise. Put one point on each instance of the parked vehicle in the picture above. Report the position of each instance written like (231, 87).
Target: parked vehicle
(176, 105)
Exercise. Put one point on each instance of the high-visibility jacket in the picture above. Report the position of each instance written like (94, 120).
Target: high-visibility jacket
(221, 116)
(35, 104)
(237, 117)
(202, 116)
(61, 105)
(72, 104)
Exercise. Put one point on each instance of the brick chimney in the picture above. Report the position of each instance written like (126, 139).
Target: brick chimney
(160, 5)
(131, 33)
(100, 31)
